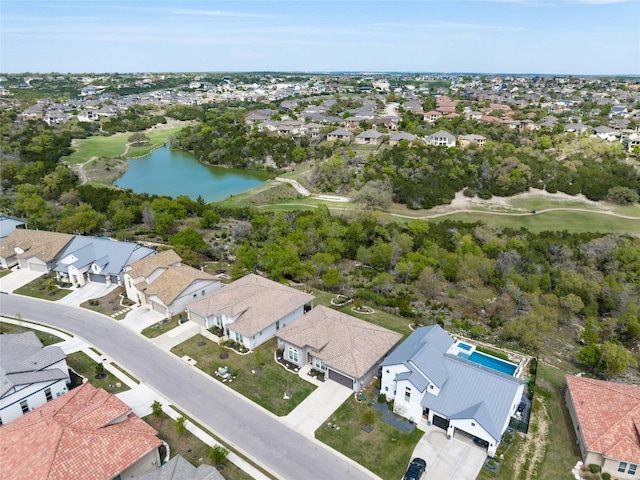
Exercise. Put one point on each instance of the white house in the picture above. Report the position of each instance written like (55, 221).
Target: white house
(30, 374)
(441, 139)
(250, 310)
(431, 375)
(163, 284)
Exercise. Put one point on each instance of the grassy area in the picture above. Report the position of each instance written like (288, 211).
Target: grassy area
(125, 373)
(560, 452)
(115, 145)
(575, 222)
(108, 304)
(45, 338)
(266, 388)
(4, 272)
(190, 447)
(161, 327)
(83, 365)
(45, 288)
(386, 451)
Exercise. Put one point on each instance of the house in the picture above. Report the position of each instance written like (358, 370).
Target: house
(178, 468)
(30, 374)
(605, 419)
(431, 375)
(441, 139)
(347, 349)
(618, 111)
(165, 285)
(341, 134)
(369, 137)
(396, 138)
(91, 259)
(35, 250)
(250, 310)
(9, 224)
(578, 128)
(86, 433)
(431, 116)
(313, 129)
(472, 139)
(606, 133)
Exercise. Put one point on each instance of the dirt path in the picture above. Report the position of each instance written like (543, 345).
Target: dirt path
(533, 449)
(79, 168)
(519, 214)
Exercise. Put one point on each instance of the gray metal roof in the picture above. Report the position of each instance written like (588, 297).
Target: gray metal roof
(477, 392)
(109, 254)
(434, 334)
(9, 224)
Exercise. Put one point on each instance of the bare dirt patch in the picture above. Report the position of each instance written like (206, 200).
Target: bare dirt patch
(532, 450)
(104, 170)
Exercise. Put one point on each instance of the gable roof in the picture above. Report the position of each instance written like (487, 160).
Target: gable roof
(609, 416)
(148, 265)
(342, 342)
(23, 361)
(341, 132)
(257, 301)
(110, 255)
(86, 433)
(369, 134)
(9, 224)
(174, 281)
(34, 243)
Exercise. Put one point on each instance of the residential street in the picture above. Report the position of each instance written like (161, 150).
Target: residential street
(248, 428)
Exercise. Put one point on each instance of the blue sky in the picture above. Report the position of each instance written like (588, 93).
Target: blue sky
(489, 36)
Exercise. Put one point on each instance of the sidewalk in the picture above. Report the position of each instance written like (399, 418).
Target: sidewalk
(140, 397)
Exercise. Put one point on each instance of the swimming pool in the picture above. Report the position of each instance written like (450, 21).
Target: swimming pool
(491, 362)
(464, 346)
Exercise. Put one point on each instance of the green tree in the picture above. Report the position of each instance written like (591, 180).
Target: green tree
(614, 359)
(218, 455)
(181, 426)
(188, 238)
(156, 409)
(138, 139)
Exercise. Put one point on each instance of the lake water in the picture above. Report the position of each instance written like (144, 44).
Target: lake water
(175, 172)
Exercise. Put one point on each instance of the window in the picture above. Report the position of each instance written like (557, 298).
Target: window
(632, 469)
(202, 293)
(319, 365)
(278, 325)
(622, 467)
(407, 394)
(386, 389)
(47, 394)
(239, 337)
(195, 295)
(0, 421)
(293, 354)
(25, 409)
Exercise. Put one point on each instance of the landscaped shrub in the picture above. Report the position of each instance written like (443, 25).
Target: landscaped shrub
(606, 476)
(492, 352)
(593, 468)
(382, 398)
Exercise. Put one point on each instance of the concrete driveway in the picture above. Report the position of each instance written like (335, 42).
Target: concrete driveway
(18, 278)
(140, 318)
(318, 407)
(455, 459)
(89, 291)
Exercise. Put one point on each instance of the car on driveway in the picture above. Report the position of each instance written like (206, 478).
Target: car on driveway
(521, 407)
(416, 469)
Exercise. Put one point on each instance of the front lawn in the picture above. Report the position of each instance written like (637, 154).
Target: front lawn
(108, 304)
(45, 338)
(83, 365)
(266, 386)
(45, 288)
(190, 447)
(161, 327)
(385, 450)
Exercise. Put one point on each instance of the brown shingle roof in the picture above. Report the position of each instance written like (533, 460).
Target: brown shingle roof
(259, 302)
(342, 342)
(35, 243)
(148, 265)
(86, 433)
(175, 280)
(609, 416)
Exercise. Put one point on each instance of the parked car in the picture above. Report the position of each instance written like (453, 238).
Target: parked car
(416, 469)
(480, 441)
(521, 407)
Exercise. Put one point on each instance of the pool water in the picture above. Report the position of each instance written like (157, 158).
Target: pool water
(491, 362)
(464, 346)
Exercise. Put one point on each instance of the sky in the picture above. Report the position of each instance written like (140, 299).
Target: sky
(579, 37)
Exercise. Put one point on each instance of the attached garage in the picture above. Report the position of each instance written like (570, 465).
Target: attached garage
(440, 422)
(159, 307)
(37, 266)
(341, 379)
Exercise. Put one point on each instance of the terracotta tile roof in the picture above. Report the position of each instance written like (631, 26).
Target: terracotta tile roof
(609, 417)
(259, 302)
(146, 266)
(342, 342)
(175, 280)
(86, 433)
(35, 243)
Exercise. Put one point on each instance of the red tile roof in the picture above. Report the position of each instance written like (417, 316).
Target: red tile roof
(609, 416)
(86, 433)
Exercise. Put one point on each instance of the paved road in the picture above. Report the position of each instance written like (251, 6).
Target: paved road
(247, 428)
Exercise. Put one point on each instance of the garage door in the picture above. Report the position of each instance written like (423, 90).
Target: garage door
(159, 308)
(37, 267)
(440, 422)
(341, 379)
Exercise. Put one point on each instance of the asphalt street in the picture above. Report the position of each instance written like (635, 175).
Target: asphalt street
(248, 428)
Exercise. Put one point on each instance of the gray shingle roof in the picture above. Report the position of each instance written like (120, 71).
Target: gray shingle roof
(178, 468)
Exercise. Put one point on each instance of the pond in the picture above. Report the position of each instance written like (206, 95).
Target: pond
(174, 172)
